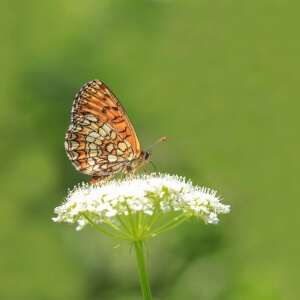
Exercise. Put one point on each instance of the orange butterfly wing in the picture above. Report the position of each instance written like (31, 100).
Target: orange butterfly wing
(101, 140)
(96, 99)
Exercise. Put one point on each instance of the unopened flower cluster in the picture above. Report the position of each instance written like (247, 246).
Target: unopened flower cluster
(148, 195)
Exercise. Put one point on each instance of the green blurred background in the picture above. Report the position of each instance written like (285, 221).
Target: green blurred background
(219, 78)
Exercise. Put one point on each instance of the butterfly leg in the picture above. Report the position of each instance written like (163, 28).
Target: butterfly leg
(122, 175)
(132, 174)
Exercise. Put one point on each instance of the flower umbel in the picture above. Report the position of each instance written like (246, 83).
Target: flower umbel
(141, 208)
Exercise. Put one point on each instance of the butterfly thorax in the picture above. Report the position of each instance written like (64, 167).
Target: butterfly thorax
(133, 165)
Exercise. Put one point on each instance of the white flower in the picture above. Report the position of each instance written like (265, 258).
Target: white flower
(137, 209)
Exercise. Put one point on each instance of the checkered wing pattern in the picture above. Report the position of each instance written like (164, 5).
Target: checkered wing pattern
(101, 140)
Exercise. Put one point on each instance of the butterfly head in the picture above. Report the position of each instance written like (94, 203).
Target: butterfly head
(147, 155)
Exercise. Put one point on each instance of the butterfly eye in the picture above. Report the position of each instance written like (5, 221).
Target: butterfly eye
(147, 155)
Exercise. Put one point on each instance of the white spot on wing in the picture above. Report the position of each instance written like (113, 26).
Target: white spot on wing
(112, 158)
(90, 139)
(74, 154)
(106, 128)
(116, 167)
(109, 147)
(72, 136)
(91, 161)
(119, 152)
(94, 135)
(92, 118)
(77, 128)
(113, 135)
(122, 146)
(102, 132)
(98, 142)
(85, 122)
(73, 145)
(93, 153)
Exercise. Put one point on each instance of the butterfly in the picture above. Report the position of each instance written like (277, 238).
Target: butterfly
(101, 140)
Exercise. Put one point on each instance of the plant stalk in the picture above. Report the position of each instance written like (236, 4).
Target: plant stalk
(139, 251)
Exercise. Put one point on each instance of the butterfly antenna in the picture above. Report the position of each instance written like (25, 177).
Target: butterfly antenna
(160, 140)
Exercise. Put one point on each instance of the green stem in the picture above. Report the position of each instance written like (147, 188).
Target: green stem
(134, 234)
(140, 257)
